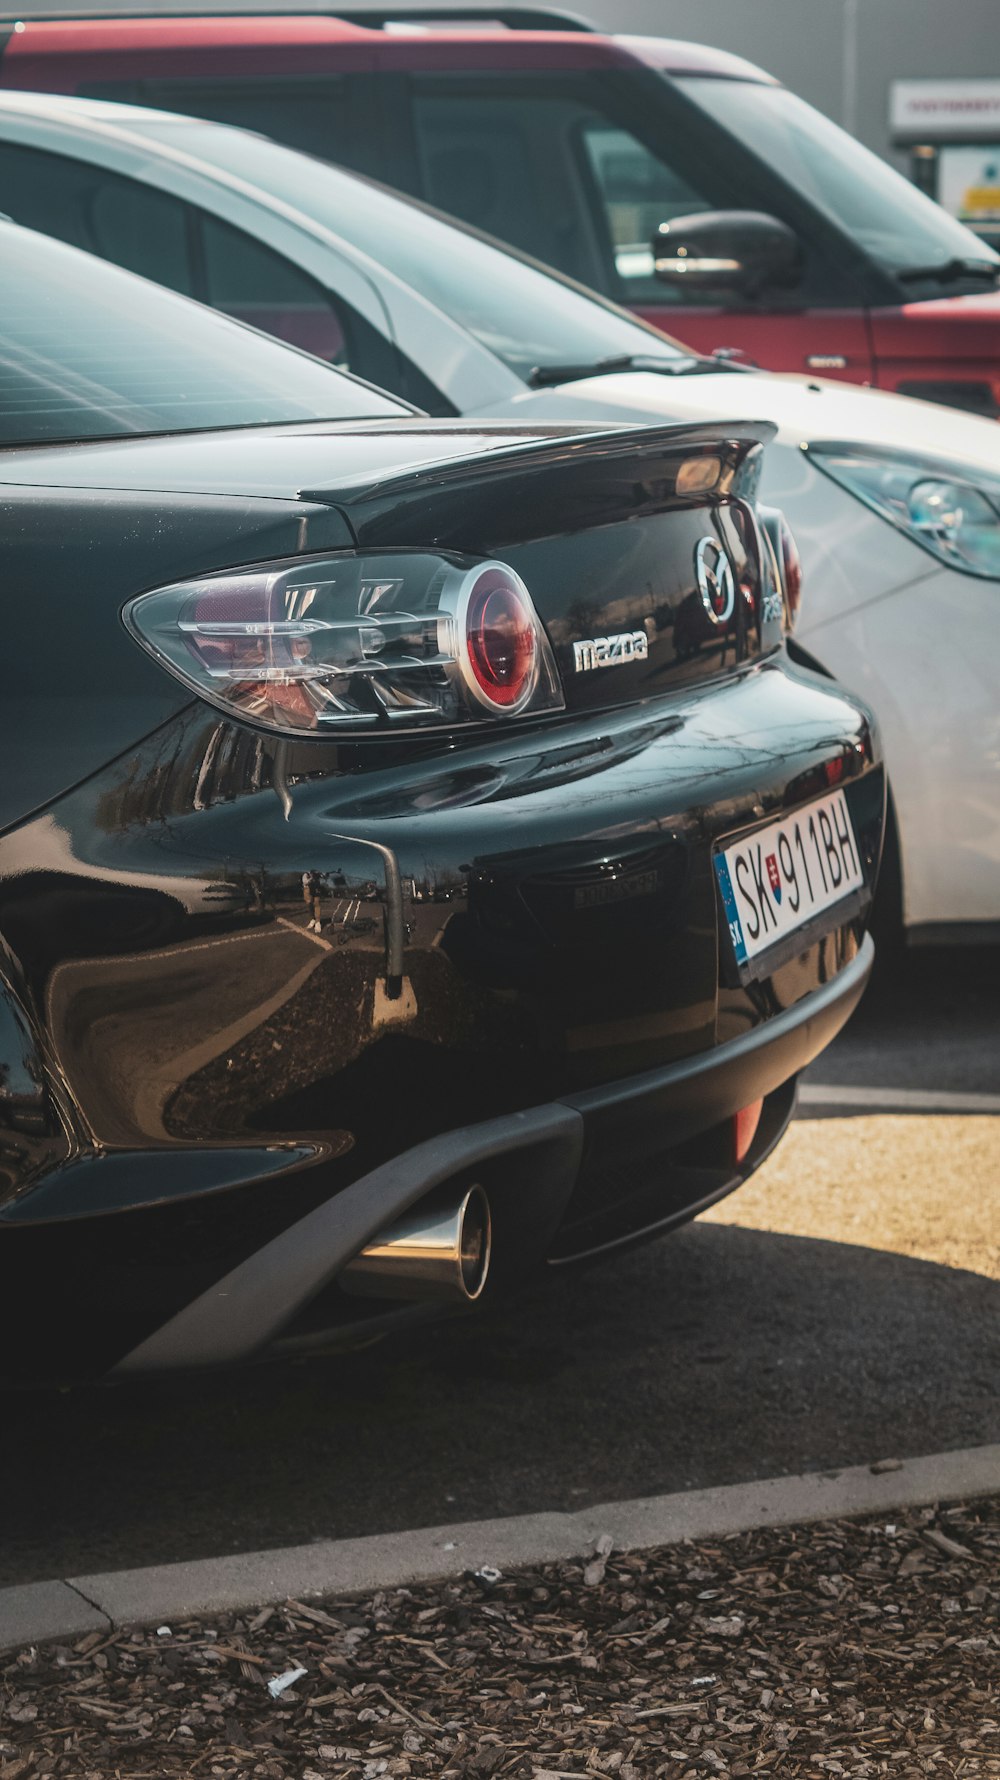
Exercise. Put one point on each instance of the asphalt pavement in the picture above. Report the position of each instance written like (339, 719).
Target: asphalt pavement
(842, 1308)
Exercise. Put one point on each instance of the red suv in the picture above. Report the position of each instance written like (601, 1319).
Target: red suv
(674, 178)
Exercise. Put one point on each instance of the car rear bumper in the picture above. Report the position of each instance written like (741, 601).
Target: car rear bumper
(536, 1166)
(236, 1046)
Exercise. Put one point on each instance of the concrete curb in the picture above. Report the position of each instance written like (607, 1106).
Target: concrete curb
(165, 1592)
(845, 1098)
(37, 1611)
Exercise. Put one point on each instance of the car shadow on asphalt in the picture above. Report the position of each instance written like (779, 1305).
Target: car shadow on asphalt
(928, 1021)
(718, 1355)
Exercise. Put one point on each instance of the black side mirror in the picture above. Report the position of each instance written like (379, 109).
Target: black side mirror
(727, 250)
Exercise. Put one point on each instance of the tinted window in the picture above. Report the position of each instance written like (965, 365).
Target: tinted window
(86, 351)
(326, 115)
(145, 230)
(497, 161)
(516, 310)
(131, 224)
(251, 283)
(247, 280)
(638, 192)
(580, 172)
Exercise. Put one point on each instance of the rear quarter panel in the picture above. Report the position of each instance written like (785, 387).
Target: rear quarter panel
(77, 691)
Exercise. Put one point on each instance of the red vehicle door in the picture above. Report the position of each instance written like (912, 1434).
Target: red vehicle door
(830, 342)
(945, 349)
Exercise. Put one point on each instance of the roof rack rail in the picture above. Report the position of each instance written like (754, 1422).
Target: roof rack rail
(479, 13)
(515, 18)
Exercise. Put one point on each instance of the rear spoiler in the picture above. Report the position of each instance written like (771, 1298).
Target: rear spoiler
(568, 481)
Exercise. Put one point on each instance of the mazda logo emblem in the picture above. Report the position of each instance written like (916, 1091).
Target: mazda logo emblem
(715, 580)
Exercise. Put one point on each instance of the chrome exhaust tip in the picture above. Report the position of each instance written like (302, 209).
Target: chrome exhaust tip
(439, 1250)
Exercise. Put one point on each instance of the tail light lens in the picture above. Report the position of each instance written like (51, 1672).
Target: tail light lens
(498, 638)
(791, 569)
(787, 560)
(355, 643)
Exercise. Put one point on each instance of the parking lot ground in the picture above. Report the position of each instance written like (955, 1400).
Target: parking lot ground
(853, 1648)
(928, 1188)
(930, 1023)
(841, 1308)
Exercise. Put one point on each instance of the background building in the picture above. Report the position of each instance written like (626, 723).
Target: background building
(841, 55)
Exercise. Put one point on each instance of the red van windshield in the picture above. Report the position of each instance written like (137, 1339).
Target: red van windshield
(897, 226)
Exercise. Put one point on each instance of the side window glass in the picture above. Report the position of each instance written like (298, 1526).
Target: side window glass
(637, 192)
(505, 164)
(45, 192)
(141, 229)
(119, 219)
(252, 283)
(306, 114)
(324, 115)
(557, 177)
(581, 173)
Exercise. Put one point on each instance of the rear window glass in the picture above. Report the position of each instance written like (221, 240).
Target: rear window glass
(88, 351)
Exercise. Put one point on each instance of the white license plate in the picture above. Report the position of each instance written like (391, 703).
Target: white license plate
(781, 876)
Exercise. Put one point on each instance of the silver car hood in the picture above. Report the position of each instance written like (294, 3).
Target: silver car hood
(804, 410)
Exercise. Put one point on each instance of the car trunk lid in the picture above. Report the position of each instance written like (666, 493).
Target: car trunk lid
(639, 547)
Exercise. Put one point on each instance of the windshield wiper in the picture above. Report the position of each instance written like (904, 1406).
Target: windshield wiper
(544, 376)
(950, 271)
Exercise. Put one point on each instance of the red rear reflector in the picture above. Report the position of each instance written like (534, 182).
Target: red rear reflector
(745, 1124)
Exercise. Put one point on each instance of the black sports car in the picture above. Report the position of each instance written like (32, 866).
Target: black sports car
(419, 856)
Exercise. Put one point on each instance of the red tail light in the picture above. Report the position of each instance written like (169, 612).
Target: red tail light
(501, 639)
(356, 643)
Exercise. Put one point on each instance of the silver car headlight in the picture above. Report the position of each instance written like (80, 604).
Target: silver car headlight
(955, 517)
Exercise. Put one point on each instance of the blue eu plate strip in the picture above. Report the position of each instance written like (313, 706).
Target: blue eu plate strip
(729, 904)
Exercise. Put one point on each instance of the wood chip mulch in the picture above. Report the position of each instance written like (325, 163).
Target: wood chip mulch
(841, 1649)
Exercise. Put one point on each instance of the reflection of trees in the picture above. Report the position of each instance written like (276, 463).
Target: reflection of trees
(583, 617)
(191, 766)
(24, 1106)
(640, 575)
